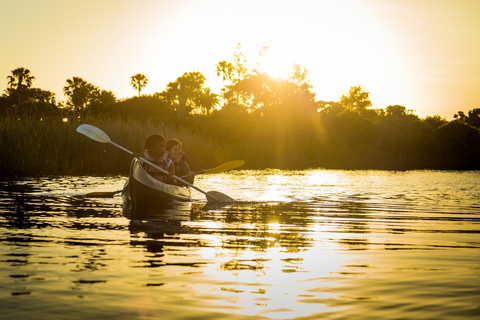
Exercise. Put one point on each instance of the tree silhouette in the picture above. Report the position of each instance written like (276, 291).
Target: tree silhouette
(100, 101)
(396, 111)
(298, 75)
(78, 91)
(435, 121)
(472, 119)
(139, 81)
(208, 101)
(40, 95)
(458, 146)
(356, 99)
(270, 122)
(145, 108)
(232, 74)
(186, 92)
(19, 81)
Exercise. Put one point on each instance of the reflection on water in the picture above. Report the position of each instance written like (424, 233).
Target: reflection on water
(296, 245)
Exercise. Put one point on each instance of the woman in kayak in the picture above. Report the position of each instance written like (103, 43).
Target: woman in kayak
(154, 151)
(177, 156)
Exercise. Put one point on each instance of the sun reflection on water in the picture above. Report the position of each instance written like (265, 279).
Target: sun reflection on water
(277, 283)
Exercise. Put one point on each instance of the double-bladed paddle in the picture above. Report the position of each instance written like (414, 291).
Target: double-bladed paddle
(98, 135)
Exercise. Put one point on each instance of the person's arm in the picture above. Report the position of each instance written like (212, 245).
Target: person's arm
(171, 171)
(185, 171)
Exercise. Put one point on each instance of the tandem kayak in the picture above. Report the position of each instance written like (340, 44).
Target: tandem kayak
(142, 190)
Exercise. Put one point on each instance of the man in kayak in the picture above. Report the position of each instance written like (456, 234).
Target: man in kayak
(154, 151)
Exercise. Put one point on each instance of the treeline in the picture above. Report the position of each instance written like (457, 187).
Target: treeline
(268, 122)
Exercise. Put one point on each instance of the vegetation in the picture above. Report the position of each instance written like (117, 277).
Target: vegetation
(53, 147)
(266, 121)
(138, 81)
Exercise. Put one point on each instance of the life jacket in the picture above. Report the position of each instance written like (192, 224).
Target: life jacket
(181, 157)
(182, 168)
(162, 162)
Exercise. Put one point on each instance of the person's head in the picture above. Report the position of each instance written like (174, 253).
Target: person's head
(174, 147)
(155, 145)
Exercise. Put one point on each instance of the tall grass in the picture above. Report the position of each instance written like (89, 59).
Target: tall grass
(52, 147)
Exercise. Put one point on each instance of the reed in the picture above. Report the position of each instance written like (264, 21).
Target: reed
(52, 147)
(30, 147)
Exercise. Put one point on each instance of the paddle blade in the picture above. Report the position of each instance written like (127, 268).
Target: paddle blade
(102, 194)
(93, 133)
(216, 196)
(226, 166)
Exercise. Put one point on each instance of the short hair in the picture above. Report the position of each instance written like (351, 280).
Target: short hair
(172, 143)
(151, 141)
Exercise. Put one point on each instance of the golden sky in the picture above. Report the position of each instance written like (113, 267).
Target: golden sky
(422, 54)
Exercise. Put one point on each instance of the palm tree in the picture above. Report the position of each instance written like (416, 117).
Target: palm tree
(138, 82)
(20, 80)
(208, 101)
(78, 90)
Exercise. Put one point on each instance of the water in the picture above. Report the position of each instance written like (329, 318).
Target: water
(314, 244)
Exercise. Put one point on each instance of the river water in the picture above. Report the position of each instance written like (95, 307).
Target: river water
(313, 244)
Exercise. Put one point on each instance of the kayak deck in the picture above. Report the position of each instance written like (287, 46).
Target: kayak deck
(143, 190)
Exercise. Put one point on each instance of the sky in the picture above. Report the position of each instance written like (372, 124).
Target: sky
(421, 54)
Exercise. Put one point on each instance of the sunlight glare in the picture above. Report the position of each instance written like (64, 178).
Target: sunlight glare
(343, 49)
(276, 189)
(274, 227)
(277, 64)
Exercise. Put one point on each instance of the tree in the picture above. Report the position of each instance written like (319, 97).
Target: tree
(298, 75)
(472, 119)
(78, 91)
(19, 81)
(139, 81)
(185, 93)
(37, 109)
(458, 146)
(100, 101)
(460, 116)
(356, 99)
(22, 100)
(434, 122)
(40, 95)
(208, 101)
(144, 108)
(265, 93)
(396, 111)
(329, 108)
(232, 74)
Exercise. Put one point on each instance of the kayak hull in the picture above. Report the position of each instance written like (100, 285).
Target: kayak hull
(142, 190)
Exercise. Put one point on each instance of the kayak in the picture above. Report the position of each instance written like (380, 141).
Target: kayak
(142, 190)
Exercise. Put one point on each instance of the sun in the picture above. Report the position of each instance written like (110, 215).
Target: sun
(276, 63)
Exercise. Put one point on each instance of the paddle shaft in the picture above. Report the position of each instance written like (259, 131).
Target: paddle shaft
(194, 174)
(223, 167)
(163, 170)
